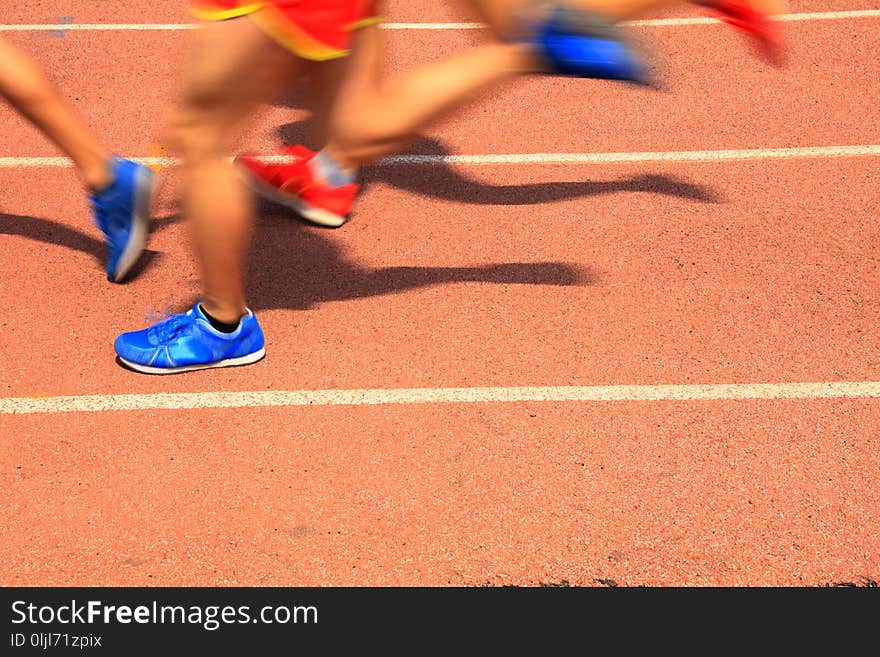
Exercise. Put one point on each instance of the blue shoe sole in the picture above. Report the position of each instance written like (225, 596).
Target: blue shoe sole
(247, 359)
(137, 239)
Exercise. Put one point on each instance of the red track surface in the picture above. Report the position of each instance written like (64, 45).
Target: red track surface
(761, 271)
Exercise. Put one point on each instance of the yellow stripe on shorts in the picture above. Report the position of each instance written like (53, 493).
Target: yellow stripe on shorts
(208, 14)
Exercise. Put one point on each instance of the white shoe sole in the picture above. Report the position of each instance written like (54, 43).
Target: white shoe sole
(229, 362)
(140, 228)
(303, 209)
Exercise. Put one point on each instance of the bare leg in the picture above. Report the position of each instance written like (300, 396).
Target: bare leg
(30, 92)
(233, 68)
(373, 117)
(326, 77)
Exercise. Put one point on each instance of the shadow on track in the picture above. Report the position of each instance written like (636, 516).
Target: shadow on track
(450, 183)
(295, 266)
(47, 231)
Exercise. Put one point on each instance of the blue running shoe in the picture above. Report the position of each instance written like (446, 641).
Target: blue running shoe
(122, 212)
(187, 342)
(582, 45)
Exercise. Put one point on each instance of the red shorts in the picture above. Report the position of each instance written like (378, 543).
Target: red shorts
(313, 29)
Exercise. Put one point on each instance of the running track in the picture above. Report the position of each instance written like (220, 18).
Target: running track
(631, 341)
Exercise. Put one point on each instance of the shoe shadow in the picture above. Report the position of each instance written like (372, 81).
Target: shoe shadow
(448, 183)
(297, 266)
(43, 230)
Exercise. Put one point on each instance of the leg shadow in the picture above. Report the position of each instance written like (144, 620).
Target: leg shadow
(296, 266)
(448, 183)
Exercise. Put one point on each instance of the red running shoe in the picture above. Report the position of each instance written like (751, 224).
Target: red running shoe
(755, 20)
(292, 184)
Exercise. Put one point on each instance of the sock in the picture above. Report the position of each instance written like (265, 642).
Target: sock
(331, 171)
(223, 327)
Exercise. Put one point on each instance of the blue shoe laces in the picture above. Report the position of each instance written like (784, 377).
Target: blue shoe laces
(165, 332)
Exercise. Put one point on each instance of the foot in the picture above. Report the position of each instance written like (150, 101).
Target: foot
(122, 212)
(187, 342)
(755, 18)
(293, 184)
(572, 42)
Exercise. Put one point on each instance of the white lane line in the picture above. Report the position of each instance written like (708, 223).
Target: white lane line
(784, 18)
(867, 150)
(264, 398)
(659, 22)
(648, 156)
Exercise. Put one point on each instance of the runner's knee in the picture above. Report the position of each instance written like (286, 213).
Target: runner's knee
(195, 133)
